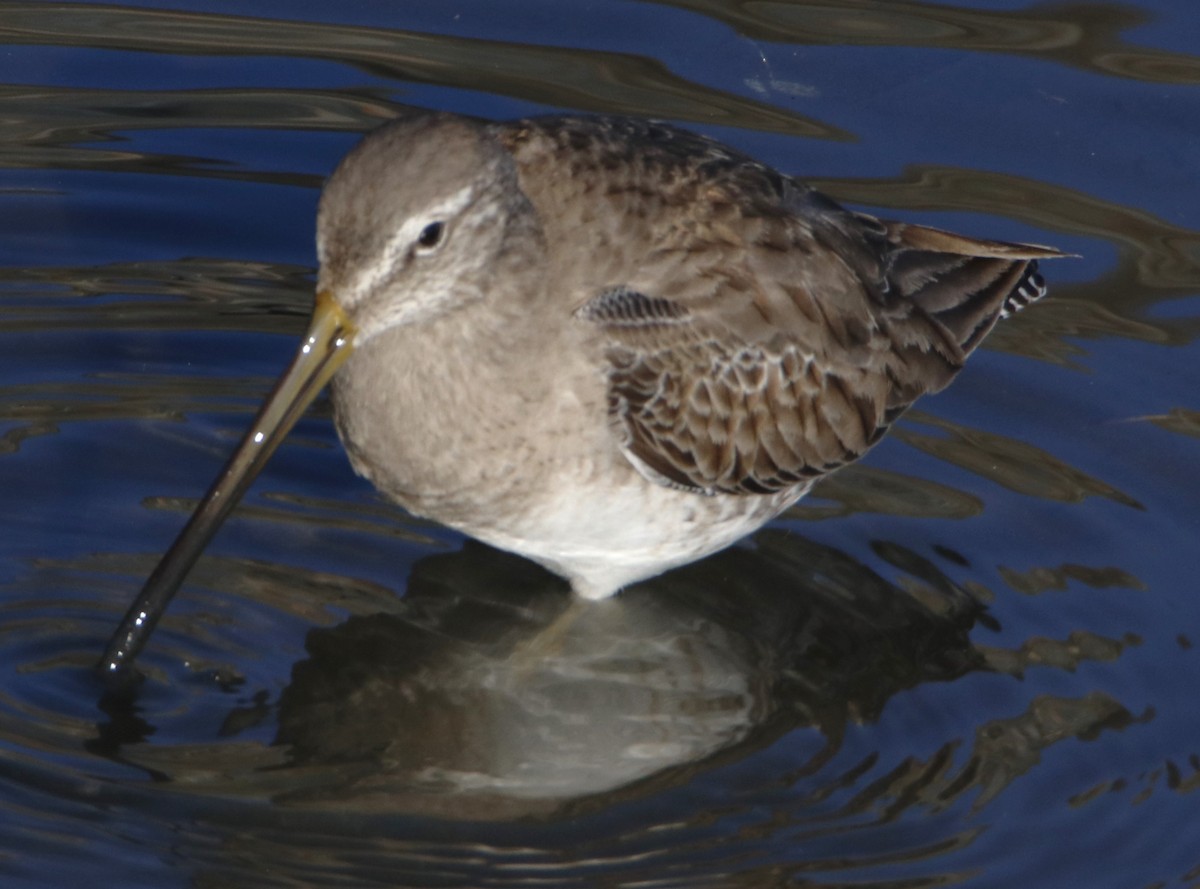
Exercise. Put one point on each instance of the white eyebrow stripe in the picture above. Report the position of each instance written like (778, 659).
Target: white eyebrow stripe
(397, 246)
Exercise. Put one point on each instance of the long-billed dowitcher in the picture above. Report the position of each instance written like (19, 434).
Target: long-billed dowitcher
(609, 345)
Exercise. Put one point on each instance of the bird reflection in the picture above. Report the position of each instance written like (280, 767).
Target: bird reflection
(492, 686)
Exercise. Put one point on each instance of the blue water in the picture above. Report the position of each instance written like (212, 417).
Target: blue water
(969, 661)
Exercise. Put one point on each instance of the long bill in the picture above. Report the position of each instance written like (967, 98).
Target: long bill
(326, 345)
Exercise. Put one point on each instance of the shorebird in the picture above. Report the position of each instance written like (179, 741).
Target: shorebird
(609, 345)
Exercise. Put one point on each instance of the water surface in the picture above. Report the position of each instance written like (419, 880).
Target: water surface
(968, 661)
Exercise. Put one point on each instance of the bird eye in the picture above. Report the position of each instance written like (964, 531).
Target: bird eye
(431, 235)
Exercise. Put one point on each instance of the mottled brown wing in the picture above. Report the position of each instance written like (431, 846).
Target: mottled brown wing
(763, 387)
(757, 334)
(702, 409)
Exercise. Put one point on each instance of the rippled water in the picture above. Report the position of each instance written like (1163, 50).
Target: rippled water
(969, 661)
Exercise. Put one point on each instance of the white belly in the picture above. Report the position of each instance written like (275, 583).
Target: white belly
(604, 538)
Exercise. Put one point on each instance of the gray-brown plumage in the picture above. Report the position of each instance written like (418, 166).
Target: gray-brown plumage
(609, 345)
(764, 335)
(619, 310)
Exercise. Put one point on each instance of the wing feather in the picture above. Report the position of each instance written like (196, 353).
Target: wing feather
(762, 335)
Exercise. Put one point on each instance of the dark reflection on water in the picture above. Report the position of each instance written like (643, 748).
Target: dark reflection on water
(487, 696)
(608, 82)
(487, 685)
(1182, 420)
(1016, 465)
(982, 637)
(1085, 35)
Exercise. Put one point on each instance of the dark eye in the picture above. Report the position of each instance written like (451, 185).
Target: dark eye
(431, 235)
